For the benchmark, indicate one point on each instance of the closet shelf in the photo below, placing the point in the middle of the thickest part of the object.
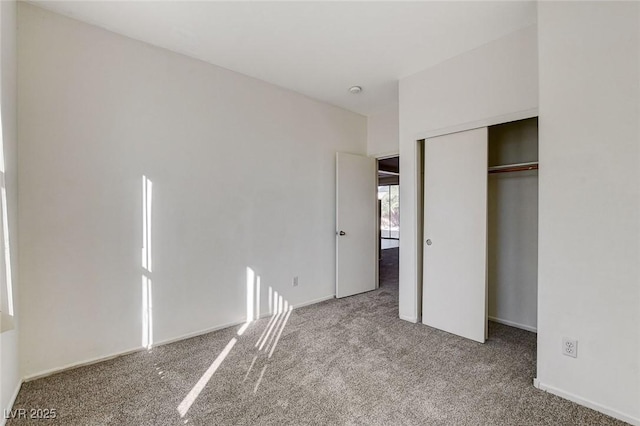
(519, 167)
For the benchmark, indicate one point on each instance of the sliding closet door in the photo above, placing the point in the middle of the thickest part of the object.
(455, 230)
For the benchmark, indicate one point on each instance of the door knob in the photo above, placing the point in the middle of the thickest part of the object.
(429, 242)
(341, 233)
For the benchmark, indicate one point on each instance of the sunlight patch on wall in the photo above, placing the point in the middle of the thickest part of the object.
(253, 293)
(147, 299)
(147, 316)
(258, 297)
(5, 230)
(6, 246)
(250, 297)
(147, 197)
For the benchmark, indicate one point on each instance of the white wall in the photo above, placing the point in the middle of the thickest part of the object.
(382, 133)
(512, 200)
(243, 176)
(494, 83)
(589, 268)
(9, 359)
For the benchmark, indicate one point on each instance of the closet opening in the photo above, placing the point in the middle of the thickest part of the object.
(512, 228)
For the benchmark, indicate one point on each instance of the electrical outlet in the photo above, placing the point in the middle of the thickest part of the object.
(570, 347)
(295, 281)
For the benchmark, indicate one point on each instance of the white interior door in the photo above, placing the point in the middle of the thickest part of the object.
(356, 224)
(455, 231)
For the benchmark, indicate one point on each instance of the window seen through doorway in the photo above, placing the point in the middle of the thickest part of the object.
(389, 195)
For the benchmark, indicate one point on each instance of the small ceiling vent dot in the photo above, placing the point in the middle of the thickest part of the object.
(355, 89)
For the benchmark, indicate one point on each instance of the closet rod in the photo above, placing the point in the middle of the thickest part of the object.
(519, 167)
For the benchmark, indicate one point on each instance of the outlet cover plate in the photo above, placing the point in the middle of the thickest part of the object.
(570, 347)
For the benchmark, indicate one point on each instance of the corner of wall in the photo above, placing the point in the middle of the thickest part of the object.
(9, 346)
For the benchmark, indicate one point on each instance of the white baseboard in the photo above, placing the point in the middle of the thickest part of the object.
(96, 360)
(130, 351)
(313, 302)
(408, 318)
(73, 365)
(12, 401)
(201, 332)
(514, 324)
(587, 403)
(234, 323)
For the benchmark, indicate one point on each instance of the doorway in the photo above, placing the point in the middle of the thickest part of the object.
(389, 221)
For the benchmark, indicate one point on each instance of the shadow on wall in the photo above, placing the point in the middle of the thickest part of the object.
(147, 306)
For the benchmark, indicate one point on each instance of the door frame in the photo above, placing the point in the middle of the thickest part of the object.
(379, 157)
(416, 155)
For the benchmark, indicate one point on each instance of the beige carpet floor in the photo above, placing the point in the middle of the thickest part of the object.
(341, 362)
